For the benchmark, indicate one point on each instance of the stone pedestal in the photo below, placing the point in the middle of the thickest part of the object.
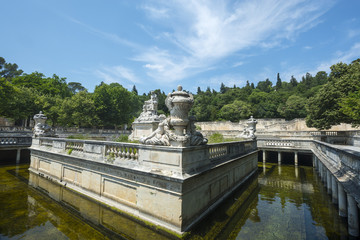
(143, 129)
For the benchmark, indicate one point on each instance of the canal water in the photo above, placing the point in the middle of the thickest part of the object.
(280, 202)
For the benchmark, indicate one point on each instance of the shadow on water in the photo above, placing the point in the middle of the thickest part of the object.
(279, 202)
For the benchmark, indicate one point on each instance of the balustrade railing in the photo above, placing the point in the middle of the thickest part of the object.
(122, 151)
(15, 141)
(231, 149)
(74, 146)
(282, 143)
(46, 142)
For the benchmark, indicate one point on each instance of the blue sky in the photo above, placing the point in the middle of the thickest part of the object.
(162, 44)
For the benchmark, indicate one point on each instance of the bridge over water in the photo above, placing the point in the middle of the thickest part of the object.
(15, 141)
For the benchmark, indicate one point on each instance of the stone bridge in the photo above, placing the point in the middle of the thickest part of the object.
(14, 139)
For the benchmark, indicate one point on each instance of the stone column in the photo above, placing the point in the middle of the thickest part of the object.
(18, 155)
(264, 168)
(328, 181)
(296, 158)
(342, 201)
(279, 158)
(334, 188)
(314, 161)
(324, 174)
(264, 156)
(353, 216)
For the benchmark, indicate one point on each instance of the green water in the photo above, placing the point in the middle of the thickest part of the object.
(281, 202)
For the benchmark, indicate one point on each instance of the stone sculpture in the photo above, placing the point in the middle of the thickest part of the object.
(41, 129)
(148, 120)
(149, 112)
(178, 130)
(249, 131)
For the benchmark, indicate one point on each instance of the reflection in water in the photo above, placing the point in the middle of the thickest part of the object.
(282, 202)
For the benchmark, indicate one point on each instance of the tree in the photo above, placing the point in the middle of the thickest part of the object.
(113, 104)
(264, 86)
(21, 105)
(350, 106)
(293, 108)
(9, 70)
(222, 88)
(134, 90)
(278, 82)
(79, 111)
(293, 81)
(235, 111)
(75, 87)
(332, 104)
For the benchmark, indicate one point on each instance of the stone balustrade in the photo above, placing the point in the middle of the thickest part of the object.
(174, 159)
(275, 144)
(20, 141)
(12, 129)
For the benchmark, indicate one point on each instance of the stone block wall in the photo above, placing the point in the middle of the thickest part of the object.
(170, 187)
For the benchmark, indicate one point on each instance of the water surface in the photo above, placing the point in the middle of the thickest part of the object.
(281, 202)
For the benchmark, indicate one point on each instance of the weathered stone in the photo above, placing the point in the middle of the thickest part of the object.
(184, 133)
(41, 129)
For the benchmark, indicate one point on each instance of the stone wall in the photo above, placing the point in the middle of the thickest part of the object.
(268, 125)
(168, 186)
(6, 122)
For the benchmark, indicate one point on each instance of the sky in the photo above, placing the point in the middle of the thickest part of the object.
(163, 44)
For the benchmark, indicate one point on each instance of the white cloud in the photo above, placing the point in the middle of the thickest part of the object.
(117, 74)
(238, 64)
(353, 33)
(155, 12)
(346, 57)
(105, 35)
(205, 32)
(229, 80)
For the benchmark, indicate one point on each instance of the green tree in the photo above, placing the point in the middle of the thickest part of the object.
(79, 111)
(264, 86)
(235, 111)
(293, 81)
(9, 70)
(330, 106)
(278, 82)
(350, 106)
(75, 87)
(113, 104)
(134, 90)
(222, 88)
(294, 107)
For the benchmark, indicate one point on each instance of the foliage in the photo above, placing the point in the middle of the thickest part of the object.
(219, 138)
(216, 138)
(350, 107)
(293, 107)
(334, 102)
(125, 138)
(324, 99)
(122, 138)
(112, 104)
(235, 111)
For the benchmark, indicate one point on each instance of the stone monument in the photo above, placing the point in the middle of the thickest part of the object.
(41, 129)
(178, 130)
(148, 120)
(249, 131)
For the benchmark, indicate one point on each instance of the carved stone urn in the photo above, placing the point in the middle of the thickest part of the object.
(179, 104)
